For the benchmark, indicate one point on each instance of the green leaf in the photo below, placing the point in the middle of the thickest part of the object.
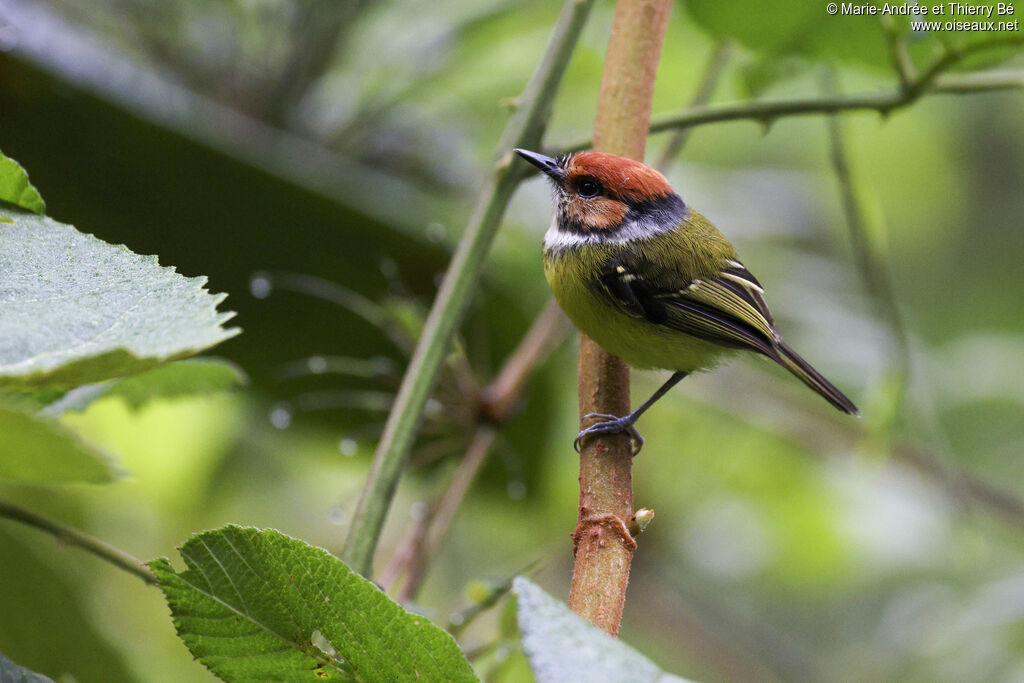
(196, 376)
(34, 449)
(12, 673)
(793, 27)
(757, 77)
(76, 310)
(563, 647)
(15, 187)
(28, 401)
(256, 605)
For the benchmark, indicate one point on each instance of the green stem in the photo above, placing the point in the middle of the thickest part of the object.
(72, 536)
(524, 129)
(767, 112)
(953, 57)
(883, 103)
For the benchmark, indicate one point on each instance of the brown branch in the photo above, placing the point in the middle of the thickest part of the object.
(603, 546)
(405, 554)
(424, 545)
(548, 330)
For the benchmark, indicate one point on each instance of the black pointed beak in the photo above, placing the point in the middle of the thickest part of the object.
(549, 166)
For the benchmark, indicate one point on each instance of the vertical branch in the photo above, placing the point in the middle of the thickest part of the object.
(524, 129)
(603, 545)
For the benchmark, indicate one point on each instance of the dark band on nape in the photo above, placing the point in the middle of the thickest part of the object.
(667, 209)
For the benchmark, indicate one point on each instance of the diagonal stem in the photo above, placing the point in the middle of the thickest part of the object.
(443, 512)
(524, 129)
(66, 534)
(498, 401)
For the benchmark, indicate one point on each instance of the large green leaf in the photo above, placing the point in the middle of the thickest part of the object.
(255, 605)
(563, 647)
(793, 27)
(75, 310)
(35, 449)
(15, 187)
(12, 673)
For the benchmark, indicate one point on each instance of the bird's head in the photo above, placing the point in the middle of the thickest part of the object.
(603, 194)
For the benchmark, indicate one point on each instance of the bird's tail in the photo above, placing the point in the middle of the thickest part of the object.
(791, 360)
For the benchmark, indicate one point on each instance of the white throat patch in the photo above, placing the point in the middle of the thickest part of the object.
(556, 240)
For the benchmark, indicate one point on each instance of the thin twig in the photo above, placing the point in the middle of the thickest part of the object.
(404, 555)
(899, 54)
(709, 81)
(930, 81)
(524, 129)
(952, 57)
(66, 534)
(443, 511)
(883, 103)
(981, 82)
(868, 249)
(460, 620)
(340, 295)
(603, 547)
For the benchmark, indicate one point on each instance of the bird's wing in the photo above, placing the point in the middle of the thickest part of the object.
(727, 309)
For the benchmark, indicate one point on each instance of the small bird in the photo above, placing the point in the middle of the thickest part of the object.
(651, 280)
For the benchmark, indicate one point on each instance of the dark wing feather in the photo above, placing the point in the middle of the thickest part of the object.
(728, 310)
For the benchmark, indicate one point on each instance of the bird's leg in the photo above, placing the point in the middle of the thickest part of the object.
(610, 424)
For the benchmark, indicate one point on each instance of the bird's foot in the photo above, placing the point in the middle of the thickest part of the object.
(611, 424)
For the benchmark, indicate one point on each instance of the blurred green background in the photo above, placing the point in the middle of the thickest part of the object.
(280, 146)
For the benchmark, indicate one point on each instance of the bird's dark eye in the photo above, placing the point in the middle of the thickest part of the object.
(589, 188)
